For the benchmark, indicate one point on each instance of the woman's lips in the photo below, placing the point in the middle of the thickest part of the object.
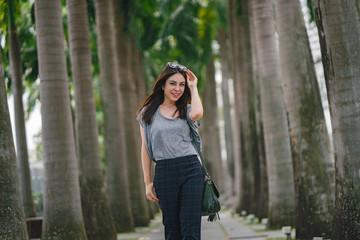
(176, 95)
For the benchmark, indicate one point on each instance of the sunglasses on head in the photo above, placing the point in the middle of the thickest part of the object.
(177, 66)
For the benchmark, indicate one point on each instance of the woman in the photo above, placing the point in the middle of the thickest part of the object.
(165, 119)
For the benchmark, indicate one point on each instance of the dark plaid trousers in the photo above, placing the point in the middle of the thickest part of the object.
(179, 184)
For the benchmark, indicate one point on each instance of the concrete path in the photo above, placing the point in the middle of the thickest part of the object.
(228, 228)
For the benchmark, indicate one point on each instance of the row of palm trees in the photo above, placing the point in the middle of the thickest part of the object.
(279, 103)
(279, 161)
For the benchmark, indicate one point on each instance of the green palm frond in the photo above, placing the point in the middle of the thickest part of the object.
(3, 16)
(220, 7)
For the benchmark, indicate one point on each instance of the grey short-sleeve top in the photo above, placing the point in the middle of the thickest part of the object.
(168, 138)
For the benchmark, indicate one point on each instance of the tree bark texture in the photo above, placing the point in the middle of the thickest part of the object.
(20, 131)
(311, 153)
(261, 177)
(229, 180)
(138, 71)
(115, 157)
(210, 133)
(339, 30)
(242, 76)
(129, 106)
(12, 218)
(235, 169)
(94, 200)
(62, 205)
(277, 144)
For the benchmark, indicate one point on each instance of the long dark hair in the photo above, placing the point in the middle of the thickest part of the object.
(153, 101)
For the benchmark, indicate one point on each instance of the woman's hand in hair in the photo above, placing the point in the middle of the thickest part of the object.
(197, 110)
(191, 79)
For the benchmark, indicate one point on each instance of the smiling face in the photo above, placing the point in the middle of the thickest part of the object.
(174, 87)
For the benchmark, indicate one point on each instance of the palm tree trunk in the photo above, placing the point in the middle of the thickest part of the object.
(312, 160)
(277, 144)
(62, 205)
(115, 158)
(21, 145)
(235, 169)
(222, 38)
(210, 130)
(242, 76)
(12, 220)
(339, 31)
(95, 205)
(138, 70)
(261, 179)
(128, 97)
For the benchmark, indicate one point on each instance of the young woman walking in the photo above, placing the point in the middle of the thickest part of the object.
(166, 120)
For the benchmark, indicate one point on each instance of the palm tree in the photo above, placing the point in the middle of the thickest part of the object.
(12, 221)
(62, 206)
(261, 178)
(242, 77)
(95, 205)
(223, 52)
(128, 96)
(138, 70)
(210, 134)
(115, 158)
(277, 144)
(222, 37)
(235, 169)
(339, 31)
(313, 165)
(21, 145)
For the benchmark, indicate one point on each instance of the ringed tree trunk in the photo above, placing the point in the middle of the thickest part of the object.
(311, 153)
(235, 169)
(128, 101)
(222, 38)
(248, 130)
(115, 158)
(339, 30)
(94, 201)
(261, 178)
(62, 205)
(21, 145)
(12, 218)
(138, 70)
(276, 133)
(210, 131)
(242, 75)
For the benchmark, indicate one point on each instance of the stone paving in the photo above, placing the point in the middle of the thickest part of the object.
(228, 228)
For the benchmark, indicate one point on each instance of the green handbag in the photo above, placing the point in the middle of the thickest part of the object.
(210, 204)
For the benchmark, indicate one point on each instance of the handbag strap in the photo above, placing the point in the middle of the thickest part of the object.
(199, 151)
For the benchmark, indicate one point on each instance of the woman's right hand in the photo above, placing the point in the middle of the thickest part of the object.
(149, 192)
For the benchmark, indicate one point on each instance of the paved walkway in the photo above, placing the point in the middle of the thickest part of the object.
(228, 228)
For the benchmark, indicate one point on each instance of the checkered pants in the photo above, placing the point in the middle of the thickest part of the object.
(179, 184)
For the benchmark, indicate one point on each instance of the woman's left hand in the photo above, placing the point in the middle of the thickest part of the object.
(191, 79)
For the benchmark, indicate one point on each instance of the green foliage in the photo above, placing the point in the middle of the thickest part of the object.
(311, 7)
(38, 198)
(207, 31)
(220, 9)
(22, 18)
(164, 30)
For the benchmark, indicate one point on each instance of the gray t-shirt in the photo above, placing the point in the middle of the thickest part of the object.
(170, 138)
